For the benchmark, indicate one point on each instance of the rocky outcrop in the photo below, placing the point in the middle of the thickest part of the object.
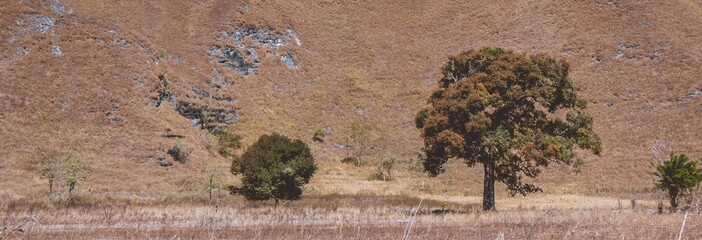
(243, 57)
(232, 59)
(203, 115)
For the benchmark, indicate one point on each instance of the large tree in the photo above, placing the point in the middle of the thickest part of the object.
(512, 113)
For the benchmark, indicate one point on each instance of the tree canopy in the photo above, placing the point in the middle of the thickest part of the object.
(510, 112)
(275, 167)
(677, 176)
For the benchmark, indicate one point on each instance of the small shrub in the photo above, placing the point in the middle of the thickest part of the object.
(61, 170)
(227, 142)
(351, 160)
(275, 167)
(677, 176)
(416, 164)
(385, 169)
(76, 172)
(360, 138)
(319, 135)
(178, 152)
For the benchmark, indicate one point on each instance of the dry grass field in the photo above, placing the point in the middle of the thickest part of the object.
(345, 217)
(82, 77)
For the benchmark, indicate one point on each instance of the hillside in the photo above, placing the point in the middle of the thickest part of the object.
(111, 80)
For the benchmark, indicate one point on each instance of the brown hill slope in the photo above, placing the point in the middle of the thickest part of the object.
(637, 62)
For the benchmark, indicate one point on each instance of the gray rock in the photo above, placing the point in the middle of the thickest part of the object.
(56, 50)
(22, 51)
(630, 46)
(201, 93)
(289, 60)
(225, 99)
(61, 9)
(252, 53)
(293, 35)
(121, 41)
(694, 94)
(232, 59)
(39, 23)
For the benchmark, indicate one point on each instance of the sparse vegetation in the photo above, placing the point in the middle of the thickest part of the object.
(319, 135)
(179, 152)
(351, 160)
(60, 170)
(503, 110)
(360, 140)
(385, 169)
(213, 176)
(227, 142)
(677, 176)
(275, 167)
(189, 68)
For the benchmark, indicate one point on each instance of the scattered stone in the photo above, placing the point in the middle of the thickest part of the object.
(694, 94)
(244, 58)
(56, 50)
(655, 55)
(225, 99)
(597, 58)
(172, 136)
(162, 162)
(121, 41)
(259, 36)
(292, 34)
(629, 46)
(112, 113)
(96, 39)
(231, 58)
(39, 23)
(219, 79)
(111, 31)
(289, 60)
(61, 9)
(252, 53)
(197, 114)
(567, 51)
(164, 94)
(22, 51)
(361, 111)
(618, 55)
(201, 93)
(338, 146)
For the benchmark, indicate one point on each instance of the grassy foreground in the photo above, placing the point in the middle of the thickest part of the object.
(350, 217)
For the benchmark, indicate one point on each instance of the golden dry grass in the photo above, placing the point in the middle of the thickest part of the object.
(337, 217)
(381, 56)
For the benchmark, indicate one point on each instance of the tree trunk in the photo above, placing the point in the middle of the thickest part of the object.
(211, 186)
(51, 188)
(674, 200)
(489, 187)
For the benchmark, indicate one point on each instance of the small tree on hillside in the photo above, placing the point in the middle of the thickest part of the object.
(677, 176)
(62, 170)
(227, 142)
(509, 112)
(275, 167)
(75, 173)
(360, 139)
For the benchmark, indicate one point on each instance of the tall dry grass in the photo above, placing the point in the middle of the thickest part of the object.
(335, 217)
